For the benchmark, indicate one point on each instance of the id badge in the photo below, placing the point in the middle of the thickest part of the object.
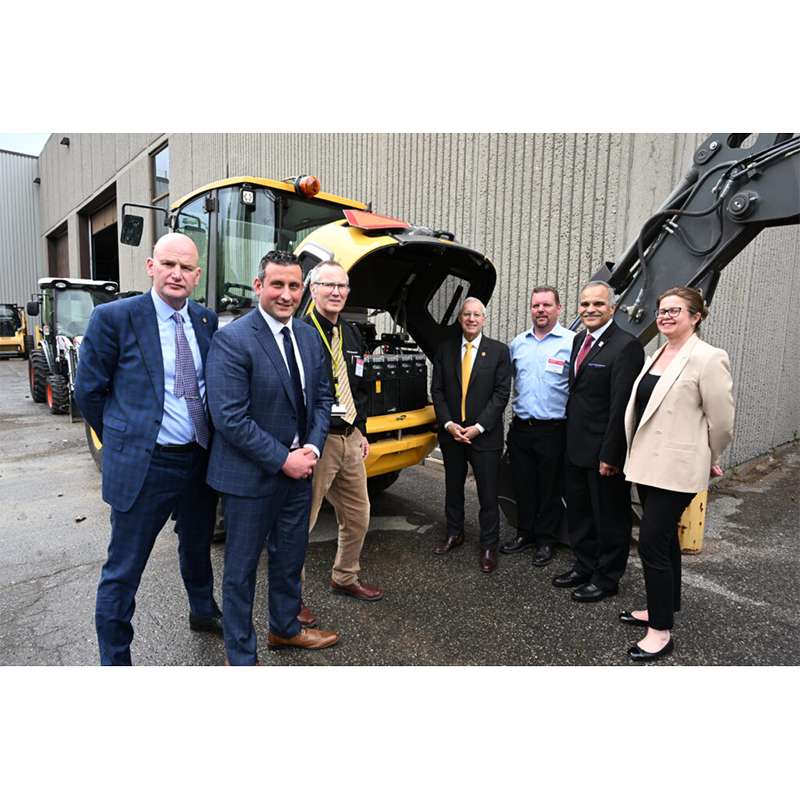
(338, 410)
(553, 365)
(360, 367)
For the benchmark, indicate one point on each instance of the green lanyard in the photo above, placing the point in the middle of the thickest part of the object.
(327, 344)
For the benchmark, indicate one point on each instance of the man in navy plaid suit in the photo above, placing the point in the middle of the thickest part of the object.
(137, 356)
(270, 398)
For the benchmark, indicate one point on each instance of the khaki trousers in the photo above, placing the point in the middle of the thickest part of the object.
(340, 475)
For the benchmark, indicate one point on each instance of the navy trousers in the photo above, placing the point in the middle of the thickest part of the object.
(176, 483)
(281, 521)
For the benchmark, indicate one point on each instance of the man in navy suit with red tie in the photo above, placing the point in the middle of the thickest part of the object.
(606, 361)
(270, 400)
(141, 386)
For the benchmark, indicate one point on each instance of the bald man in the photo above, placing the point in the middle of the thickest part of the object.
(141, 386)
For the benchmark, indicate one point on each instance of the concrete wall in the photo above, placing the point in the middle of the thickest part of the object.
(544, 207)
(21, 264)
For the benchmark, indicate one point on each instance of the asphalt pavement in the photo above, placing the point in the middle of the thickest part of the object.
(740, 595)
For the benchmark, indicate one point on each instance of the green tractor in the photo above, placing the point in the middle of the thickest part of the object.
(66, 305)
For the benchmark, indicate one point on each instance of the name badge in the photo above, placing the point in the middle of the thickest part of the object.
(554, 365)
(360, 367)
(338, 410)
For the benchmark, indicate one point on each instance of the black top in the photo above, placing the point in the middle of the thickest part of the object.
(643, 394)
(352, 349)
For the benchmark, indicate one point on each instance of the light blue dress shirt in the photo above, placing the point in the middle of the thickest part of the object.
(541, 373)
(176, 426)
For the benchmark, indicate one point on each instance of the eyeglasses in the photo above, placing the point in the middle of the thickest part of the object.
(669, 312)
(342, 287)
(475, 314)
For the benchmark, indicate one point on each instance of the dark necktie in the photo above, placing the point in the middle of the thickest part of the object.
(585, 348)
(186, 383)
(297, 384)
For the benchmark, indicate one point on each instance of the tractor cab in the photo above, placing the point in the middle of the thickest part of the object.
(407, 284)
(65, 305)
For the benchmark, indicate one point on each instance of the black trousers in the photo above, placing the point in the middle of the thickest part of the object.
(600, 523)
(537, 450)
(660, 551)
(486, 468)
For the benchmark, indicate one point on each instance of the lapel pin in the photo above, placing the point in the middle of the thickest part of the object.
(204, 319)
(600, 344)
(483, 353)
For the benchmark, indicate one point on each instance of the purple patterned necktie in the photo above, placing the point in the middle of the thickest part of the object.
(186, 383)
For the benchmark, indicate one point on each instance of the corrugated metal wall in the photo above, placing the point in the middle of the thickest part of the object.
(21, 262)
(544, 207)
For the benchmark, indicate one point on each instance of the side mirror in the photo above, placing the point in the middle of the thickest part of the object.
(32, 308)
(132, 229)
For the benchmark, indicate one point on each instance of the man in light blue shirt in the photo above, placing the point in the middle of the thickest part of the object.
(537, 437)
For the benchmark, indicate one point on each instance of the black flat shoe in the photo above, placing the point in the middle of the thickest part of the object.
(628, 618)
(639, 655)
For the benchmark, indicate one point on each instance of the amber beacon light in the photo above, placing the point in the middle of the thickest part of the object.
(307, 185)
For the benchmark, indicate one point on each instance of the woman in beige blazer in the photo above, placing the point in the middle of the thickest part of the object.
(678, 421)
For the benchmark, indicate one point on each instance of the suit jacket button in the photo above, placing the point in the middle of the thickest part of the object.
(147, 451)
(158, 421)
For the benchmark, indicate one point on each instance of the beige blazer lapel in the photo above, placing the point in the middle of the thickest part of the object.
(671, 374)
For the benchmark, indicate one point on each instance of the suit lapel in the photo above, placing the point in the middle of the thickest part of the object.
(145, 327)
(671, 374)
(201, 328)
(597, 346)
(478, 360)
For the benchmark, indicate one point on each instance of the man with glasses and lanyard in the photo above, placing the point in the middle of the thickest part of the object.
(340, 475)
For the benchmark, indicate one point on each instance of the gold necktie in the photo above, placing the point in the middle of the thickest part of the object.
(465, 373)
(344, 396)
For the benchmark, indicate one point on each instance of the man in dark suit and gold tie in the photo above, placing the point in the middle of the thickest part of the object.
(470, 387)
(606, 361)
(141, 386)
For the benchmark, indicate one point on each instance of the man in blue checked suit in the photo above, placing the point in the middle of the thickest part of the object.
(141, 386)
(270, 400)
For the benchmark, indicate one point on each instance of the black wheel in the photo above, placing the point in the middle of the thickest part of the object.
(380, 483)
(29, 345)
(58, 394)
(95, 446)
(37, 376)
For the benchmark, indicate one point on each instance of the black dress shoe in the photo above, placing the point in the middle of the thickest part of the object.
(592, 593)
(543, 555)
(204, 625)
(637, 654)
(570, 579)
(517, 545)
(628, 618)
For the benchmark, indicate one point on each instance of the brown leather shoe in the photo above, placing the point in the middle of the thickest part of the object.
(359, 590)
(305, 617)
(306, 639)
(488, 560)
(450, 543)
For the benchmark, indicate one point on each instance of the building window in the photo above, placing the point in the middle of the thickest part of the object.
(160, 162)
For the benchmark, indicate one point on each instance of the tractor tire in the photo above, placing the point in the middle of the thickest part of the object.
(38, 373)
(58, 394)
(95, 446)
(380, 483)
(29, 344)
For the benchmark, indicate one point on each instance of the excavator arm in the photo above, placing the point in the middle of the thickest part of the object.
(727, 197)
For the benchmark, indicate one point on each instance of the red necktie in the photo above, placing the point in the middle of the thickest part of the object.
(585, 348)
